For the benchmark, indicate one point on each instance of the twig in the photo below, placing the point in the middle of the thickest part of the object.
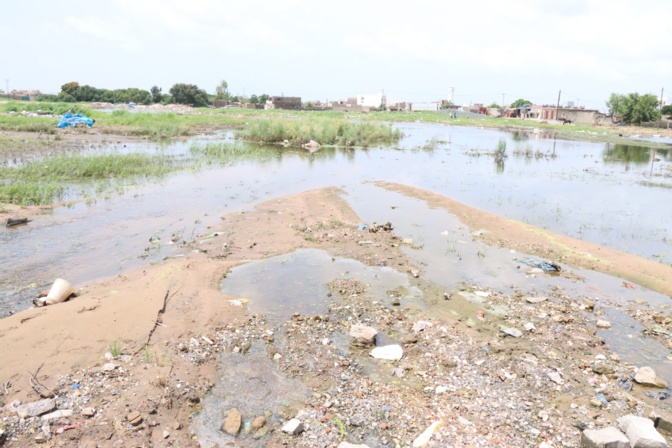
(157, 322)
(34, 382)
(6, 386)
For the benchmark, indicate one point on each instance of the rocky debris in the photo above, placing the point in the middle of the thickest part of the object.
(293, 427)
(602, 324)
(511, 332)
(610, 437)
(61, 413)
(647, 376)
(530, 299)
(423, 439)
(641, 432)
(392, 352)
(36, 408)
(88, 412)
(134, 418)
(351, 445)
(232, 423)
(362, 335)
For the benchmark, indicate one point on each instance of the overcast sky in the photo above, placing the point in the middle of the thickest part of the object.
(414, 50)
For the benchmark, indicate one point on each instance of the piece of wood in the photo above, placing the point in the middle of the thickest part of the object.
(11, 222)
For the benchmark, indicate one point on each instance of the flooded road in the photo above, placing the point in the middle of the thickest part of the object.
(613, 195)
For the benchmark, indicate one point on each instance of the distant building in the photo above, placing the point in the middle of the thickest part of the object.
(26, 95)
(375, 101)
(284, 102)
(573, 114)
(415, 107)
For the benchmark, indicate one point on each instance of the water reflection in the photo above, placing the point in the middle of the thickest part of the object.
(619, 153)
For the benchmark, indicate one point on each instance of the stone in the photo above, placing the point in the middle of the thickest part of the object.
(36, 408)
(363, 335)
(529, 327)
(535, 299)
(556, 378)
(232, 423)
(603, 369)
(511, 331)
(351, 445)
(110, 366)
(421, 325)
(134, 418)
(40, 438)
(603, 324)
(423, 439)
(662, 420)
(647, 376)
(414, 272)
(641, 432)
(389, 352)
(293, 427)
(609, 437)
(62, 413)
(88, 412)
(258, 422)
(166, 434)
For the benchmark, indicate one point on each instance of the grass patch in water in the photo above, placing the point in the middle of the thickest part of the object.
(230, 152)
(324, 130)
(45, 181)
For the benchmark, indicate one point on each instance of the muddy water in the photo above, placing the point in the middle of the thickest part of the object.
(609, 194)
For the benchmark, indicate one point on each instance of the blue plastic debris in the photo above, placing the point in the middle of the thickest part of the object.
(601, 398)
(74, 119)
(75, 386)
(546, 266)
(363, 227)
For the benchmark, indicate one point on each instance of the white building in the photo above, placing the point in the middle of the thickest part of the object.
(373, 101)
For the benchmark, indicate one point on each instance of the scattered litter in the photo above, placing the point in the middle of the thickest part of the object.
(544, 265)
(60, 291)
(239, 302)
(658, 395)
(625, 384)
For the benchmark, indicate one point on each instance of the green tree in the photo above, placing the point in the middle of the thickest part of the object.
(254, 99)
(189, 94)
(263, 98)
(617, 104)
(494, 106)
(70, 88)
(222, 90)
(667, 110)
(85, 93)
(520, 102)
(155, 91)
(641, 108)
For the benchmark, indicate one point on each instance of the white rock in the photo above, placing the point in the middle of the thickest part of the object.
(648, 377)
(535, 299)
(556, 378)
(421, 325)
(62, 413)
(390, 352)
(363, 333)
(482, 293)
(277, 357)
(640, 432)
(441, 389)
(606, 437)
(511, 331)
(351, 445)
(294, 427)
(529, 327)
(426, 435)
(110, 366)
(603, 324)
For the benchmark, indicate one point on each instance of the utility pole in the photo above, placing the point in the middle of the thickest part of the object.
(503, 103)
(660, 112)
(557, 105)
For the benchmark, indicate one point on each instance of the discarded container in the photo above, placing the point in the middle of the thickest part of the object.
(59, 292)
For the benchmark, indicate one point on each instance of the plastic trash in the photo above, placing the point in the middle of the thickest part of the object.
(60, 291)
(545, 265)
(69, 120)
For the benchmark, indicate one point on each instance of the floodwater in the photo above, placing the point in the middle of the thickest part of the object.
(609, 194)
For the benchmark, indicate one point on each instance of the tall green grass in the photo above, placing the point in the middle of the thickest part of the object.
(230, 152)
(324, 130)
(44, 181)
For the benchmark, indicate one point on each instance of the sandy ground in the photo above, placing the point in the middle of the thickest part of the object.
(144, 314)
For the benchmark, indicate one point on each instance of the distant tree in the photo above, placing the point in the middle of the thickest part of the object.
(520, 102)
(222, 91)
(155, 91)
(617, 104)
(641, 108)
(254, 99)
(494, 106)
(667, 110)
(189, 94)
(85, 93)
(263, 98)
(70, 87)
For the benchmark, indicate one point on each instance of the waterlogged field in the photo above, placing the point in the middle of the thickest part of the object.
(119, 196)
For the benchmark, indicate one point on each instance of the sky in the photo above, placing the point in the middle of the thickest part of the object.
(486, 51)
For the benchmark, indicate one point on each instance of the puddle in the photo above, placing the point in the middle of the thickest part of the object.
(280, 286)
(255, 388)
